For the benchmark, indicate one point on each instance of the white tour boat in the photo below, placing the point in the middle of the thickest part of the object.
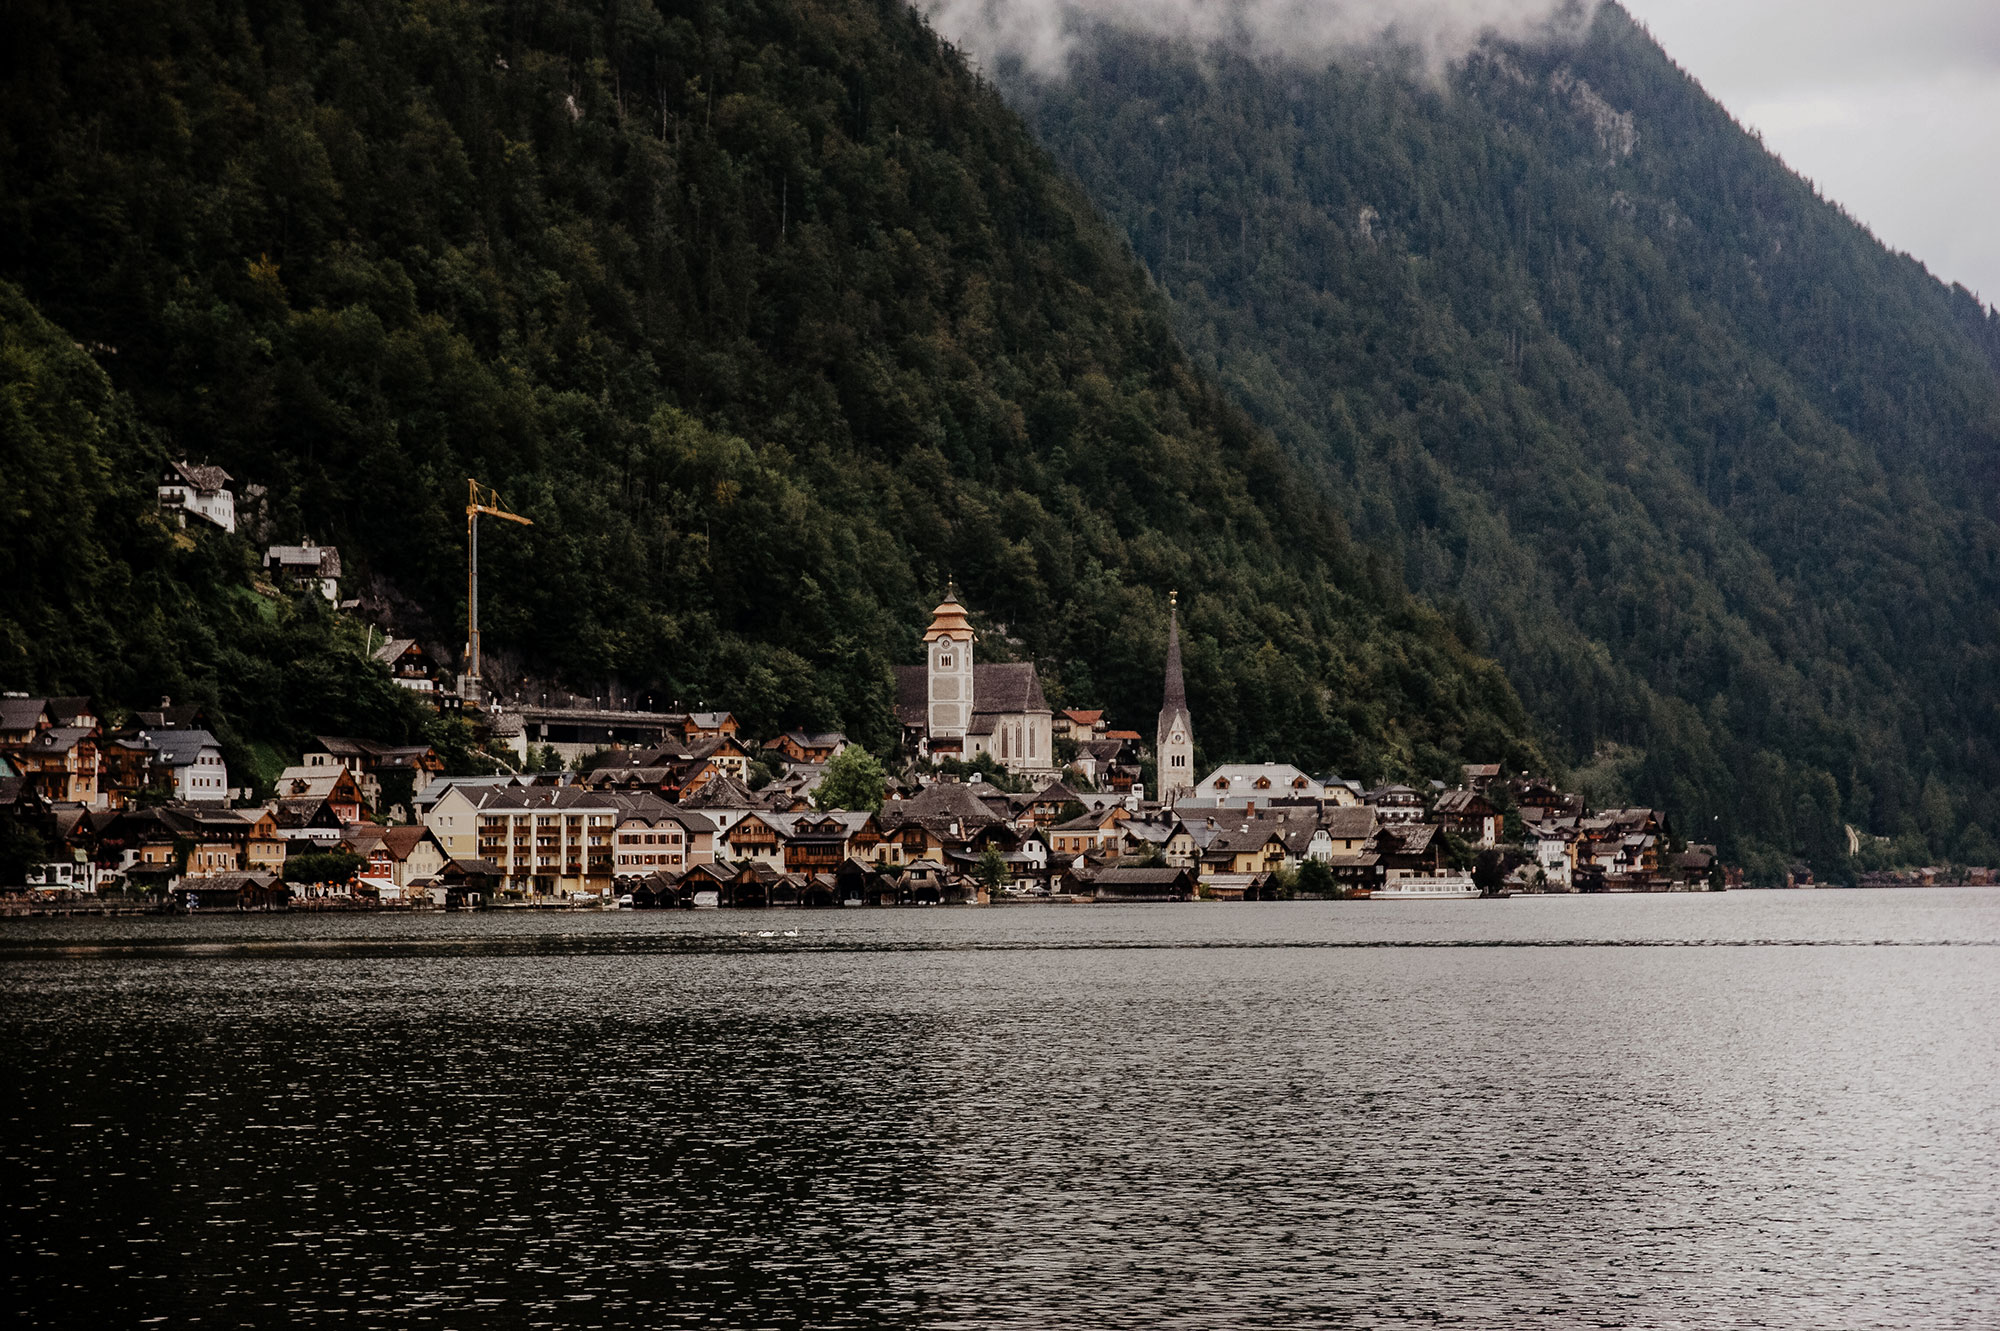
(1427, 889)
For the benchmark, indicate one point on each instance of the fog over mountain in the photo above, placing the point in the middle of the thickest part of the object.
(1043, 34)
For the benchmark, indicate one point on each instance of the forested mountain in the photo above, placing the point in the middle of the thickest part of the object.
(1713, 471)
(770, 314)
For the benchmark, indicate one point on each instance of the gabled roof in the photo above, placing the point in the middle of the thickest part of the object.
(1348, 822)
(999, 688)
(392, 651)
(1006, 687)
(65, 711)
(322, 560)
(807, 739)
(1245, 776)
(402, 840)
(202, 477)
(180, 748)
(60, 739)
(169, 717)
(724, 792)
(1057, 793)
(1239, 837)
(937, 806)
(1407, 838)
(23, 713)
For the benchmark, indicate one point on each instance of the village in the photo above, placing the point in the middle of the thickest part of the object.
(991, 796)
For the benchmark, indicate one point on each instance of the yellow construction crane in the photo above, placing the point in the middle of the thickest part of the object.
(479, 499)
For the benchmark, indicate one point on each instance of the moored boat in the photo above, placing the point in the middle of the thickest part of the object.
(1452, 888)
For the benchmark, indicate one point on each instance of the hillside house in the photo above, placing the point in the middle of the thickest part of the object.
(807, 747)
(191, 489)
(1469, 815)
(415, 669)
(305, 568)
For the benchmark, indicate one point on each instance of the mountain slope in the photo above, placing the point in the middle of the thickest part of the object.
(1714, 472)
(772, 316)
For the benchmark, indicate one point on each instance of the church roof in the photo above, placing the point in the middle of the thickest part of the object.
(1008, 686)
(1004, 687)
(913, 695)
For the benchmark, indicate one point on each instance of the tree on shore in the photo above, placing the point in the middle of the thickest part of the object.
(853, 780)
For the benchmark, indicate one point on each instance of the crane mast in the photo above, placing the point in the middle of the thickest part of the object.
(479, 499)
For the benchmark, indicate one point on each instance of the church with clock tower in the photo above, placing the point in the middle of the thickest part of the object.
(1173, 742)
(950, 706)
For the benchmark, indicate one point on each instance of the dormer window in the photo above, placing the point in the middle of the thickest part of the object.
(1263, 783)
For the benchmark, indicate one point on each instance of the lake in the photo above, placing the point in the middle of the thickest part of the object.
(1757, 1109)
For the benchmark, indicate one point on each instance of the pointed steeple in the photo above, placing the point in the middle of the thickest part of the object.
(1176, 693)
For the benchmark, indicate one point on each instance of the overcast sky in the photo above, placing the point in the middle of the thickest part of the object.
(1892, 107)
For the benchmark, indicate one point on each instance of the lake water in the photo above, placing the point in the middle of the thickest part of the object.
(1749, 1110)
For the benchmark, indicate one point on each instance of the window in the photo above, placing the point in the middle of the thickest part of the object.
(944, 660)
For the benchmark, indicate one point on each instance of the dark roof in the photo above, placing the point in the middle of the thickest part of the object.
(1248, 836)
(22, 713)
(913, 691)
(1408, 838)
(202, 477)
(1348, 822)
(173, 718)
(806, 739)
(999, 688)
(724, 792)
(937, 806)
(1462, 802)
(65, 711)
(402, 840)
(60, 739)
(1119, 876)
(179, 748)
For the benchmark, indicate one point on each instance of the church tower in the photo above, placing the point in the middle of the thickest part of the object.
(1173, 746)
(949, 663)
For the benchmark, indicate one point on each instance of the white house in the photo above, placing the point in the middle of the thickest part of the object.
(1555, 849)
(1238, 785)
(306, 567)
(203, 491)
(193, 760)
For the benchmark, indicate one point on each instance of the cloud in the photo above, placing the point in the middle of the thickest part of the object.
(1042, 34)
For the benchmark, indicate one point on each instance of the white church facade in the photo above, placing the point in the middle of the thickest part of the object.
(952, 706)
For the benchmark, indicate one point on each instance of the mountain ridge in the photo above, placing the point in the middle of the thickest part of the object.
(771, 317)
(1594, 366)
